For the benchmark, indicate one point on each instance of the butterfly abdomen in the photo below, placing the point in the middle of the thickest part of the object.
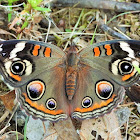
(71, 77)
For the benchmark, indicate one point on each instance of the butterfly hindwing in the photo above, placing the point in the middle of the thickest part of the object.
(96, 94)
(44, 96)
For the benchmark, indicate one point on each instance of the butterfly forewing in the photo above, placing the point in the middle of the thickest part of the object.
(117, 59)
(21, 60)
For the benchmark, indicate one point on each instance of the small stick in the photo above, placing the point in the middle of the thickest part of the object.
(98, 4)
(6, 113)
(111, 32)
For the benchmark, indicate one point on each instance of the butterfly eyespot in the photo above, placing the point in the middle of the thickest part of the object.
(104, 89)
(35, 90)
(18, 67)
(138, 54)
(51, 104)
(87, 102)
(125, 67)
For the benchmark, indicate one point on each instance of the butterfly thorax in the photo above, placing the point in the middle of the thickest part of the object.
(71, 72)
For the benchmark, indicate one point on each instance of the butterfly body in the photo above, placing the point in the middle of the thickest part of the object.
(72, 60)
(52, 84)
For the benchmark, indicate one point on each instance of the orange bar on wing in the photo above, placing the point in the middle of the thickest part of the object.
(96, 51)
(108, 49)
(41, 107)
(16, 77)
(127, 76)
(36, 50)
(96, 105)
(47, 52)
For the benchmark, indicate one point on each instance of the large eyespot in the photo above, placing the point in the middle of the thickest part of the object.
(51, 104)
(18, 67)
(35, 90)
(87, 102)
(125, 67)
(104, 89)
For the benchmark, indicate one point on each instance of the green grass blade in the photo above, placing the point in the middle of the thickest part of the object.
(118, 16)
(77, 23)
(91, 42)
(137, 68)
(42, 9)
(10, 14)
(25, 127)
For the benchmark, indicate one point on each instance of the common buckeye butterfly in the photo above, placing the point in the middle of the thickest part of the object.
(52, 84)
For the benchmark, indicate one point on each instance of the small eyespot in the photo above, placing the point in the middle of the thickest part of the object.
(51, 104)
(125, 67)
(87, 102)
(138, 54)
(104, 89)
(18, 67)
(35, 90)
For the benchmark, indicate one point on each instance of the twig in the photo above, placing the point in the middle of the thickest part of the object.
(98, 4)
(12, 5)
(113, 33)
(3, 129)
(121, 33)
(15, 108)
(6, 113)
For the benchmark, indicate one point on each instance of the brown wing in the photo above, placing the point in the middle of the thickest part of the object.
(20, 60)
(96, 94)
(44, 95)
(116, 58)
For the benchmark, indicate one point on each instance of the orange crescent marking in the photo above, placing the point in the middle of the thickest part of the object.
(96, 51)
(36, 50)
(127, 76)
(108, 49)
(16, 77)
(41, 107)
(47, 52)
(96, 105)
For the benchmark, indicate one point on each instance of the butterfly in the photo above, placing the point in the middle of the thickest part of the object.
(52, 84)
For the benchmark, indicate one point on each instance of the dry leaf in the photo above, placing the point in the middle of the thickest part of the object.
(62, 130)
(106, 128)
(65, 129)
(8, 100)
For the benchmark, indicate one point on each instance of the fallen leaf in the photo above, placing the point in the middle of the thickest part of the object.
(8, 100)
